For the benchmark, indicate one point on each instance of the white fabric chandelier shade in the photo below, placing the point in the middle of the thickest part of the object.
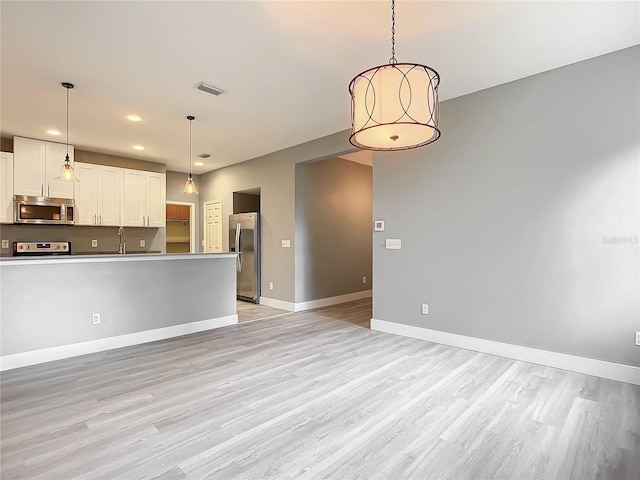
(394, 107)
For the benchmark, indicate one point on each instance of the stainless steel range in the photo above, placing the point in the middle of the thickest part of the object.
(41, 248)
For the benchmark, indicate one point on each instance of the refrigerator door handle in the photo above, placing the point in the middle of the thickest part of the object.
(239, 257)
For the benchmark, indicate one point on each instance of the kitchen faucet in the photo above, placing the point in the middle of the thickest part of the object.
(121, 248)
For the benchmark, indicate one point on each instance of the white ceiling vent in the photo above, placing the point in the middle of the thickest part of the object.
(205, 87)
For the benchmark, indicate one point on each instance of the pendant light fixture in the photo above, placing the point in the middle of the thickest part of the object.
(190, 186)
(66, 171)
(394, 106)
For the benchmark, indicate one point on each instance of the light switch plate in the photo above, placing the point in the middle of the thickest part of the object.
(393, 244)
(143, 243)
(5, 243)
(94, 243)
(286, 243)
(378, 225)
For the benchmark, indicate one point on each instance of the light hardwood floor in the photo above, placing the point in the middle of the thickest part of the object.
(249, 312)
(313, 395)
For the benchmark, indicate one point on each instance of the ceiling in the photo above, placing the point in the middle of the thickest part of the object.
(284, 66)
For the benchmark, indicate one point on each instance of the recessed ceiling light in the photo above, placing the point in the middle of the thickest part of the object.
(204, 155)
(53, 132)
(198, 163)
(138, 147)
(134, 118)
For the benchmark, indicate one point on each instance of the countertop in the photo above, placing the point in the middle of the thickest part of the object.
(130, 257)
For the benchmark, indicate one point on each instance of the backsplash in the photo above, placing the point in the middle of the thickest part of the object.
(81, 237)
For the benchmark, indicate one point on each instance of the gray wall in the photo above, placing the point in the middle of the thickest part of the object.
(175, 185)
(117, 161)
(131, 296)
(6, 145)
(245, 203)
(509, 223)
(81, 236)
(333, 228)
(274, 174)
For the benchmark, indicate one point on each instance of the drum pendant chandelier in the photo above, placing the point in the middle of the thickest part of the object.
(394, 106)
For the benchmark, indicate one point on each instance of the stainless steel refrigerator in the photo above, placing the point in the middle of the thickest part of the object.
(244, 238)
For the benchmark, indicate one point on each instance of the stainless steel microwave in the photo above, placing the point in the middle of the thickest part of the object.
(42, 210)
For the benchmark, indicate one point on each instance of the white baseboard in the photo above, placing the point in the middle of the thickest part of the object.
(321, 302)
(588, 366)
(325, 302)
(24, 359)
(281, 304)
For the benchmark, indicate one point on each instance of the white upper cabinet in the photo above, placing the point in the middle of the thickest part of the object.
(110, 186)
(85, 195)
(135, 195)
(144, 199)
(6, 187)
(156, 193)
(29, 166)
(98, 195)
(36, 165)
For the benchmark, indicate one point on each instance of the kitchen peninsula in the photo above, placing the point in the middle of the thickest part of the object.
(60, 307)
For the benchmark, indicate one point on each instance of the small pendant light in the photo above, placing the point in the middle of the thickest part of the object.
(190, 186)
(394, 106)
(66, 171)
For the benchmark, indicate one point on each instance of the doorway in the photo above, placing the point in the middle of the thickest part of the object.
(180, 227)
(213, 226)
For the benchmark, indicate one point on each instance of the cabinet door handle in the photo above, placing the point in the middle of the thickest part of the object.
(100, 219)
(94, 218)
(42, 189)
(48, 192)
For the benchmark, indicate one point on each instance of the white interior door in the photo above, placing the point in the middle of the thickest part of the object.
(213, 227)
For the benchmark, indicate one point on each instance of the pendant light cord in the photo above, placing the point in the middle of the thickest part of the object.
(393, 60)
(67, 158)
(190, 155)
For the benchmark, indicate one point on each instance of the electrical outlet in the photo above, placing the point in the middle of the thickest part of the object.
(425, 309)
(96, 318)
(286, 243)
(142, 243)
(94, 243)
(5, 243)
(364, 279)
(270, 285)
(638, 339)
